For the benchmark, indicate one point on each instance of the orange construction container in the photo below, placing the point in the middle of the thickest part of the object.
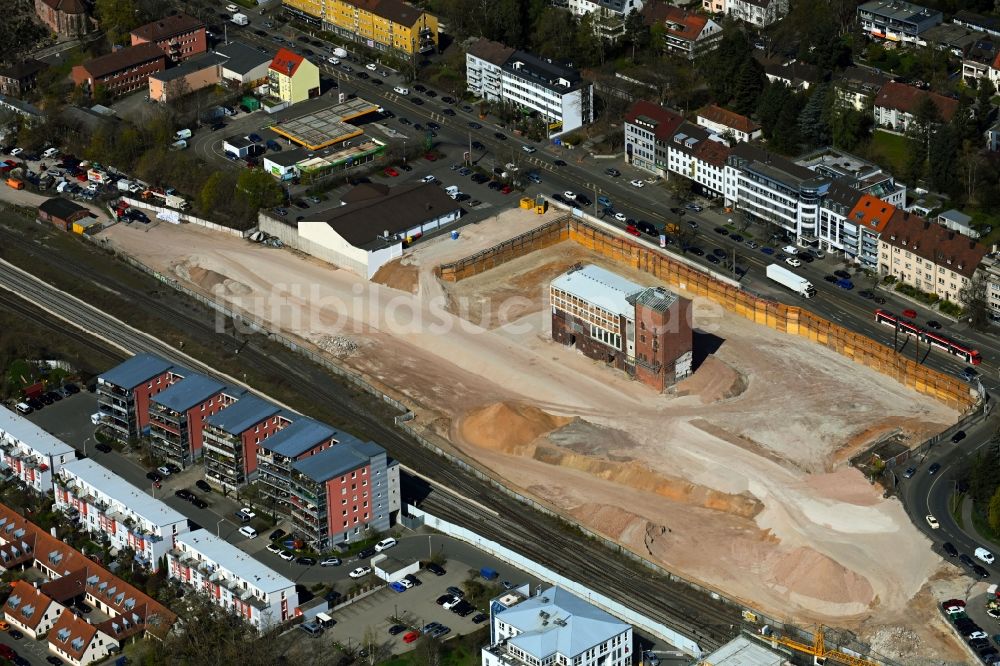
(15, 183)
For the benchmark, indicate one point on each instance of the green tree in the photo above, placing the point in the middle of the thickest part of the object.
(942, 167)
(769, 105)
(994, 512)
(749, 85)
(259, 189)
(213, 193)
(554, 34)
(984, 104)
(850, 128)
(814, 120)
(117, 18)
(974, 298)
(637, 33)
(723, 66)
(588, 45)
(984, 477)
(786, 137)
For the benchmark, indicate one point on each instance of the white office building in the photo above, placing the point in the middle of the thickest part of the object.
(233, 579)
(554, 627)
(127, 517)
(30, 453)
(557, 93)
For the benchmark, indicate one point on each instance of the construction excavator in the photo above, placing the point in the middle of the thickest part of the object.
(820, 654)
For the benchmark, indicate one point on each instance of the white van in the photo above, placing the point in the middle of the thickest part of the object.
(95, 418)
(51, 152)
(984, 555)
(248, 532)
(401, 90)
(24, 408)
(790, 249)
(232, 9)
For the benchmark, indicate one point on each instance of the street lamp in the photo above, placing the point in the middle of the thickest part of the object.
(85, 446)
(218, 527)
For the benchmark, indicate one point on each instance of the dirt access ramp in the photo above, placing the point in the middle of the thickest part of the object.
(717, 483)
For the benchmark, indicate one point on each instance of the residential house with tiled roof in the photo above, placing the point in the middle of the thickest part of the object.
(928, 256)
(758, 13)
(179, 36)
(121, 72)
(863, 227)
(648, 130)
(77, 641)
(700, 156)
(30, 610)
(292, 78)
(729, 123)
(685, 33)
(896, 105)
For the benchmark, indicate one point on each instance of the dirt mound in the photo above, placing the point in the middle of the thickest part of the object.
(713, 381)
(808, 573)
(508, 426)
(397, 275)
(209, 280)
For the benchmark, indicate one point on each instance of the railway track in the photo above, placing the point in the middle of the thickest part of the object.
(514, 525)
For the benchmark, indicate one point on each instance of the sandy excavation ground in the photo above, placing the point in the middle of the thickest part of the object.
(735, 479)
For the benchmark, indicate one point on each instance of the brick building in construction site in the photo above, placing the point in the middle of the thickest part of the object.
(645, 331)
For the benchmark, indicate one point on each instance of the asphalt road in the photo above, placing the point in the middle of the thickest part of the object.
(928, 494)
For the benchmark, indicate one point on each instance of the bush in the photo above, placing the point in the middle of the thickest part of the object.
(950, 309)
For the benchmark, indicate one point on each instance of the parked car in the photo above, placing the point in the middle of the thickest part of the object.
(103, 448)
(910, 471)
(200, 503)
(203, 486)
(184, 494)
(330, 562)
(360, 572)
(949, 549)
(934, 469)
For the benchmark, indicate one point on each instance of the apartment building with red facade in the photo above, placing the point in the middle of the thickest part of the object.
(233, 436)
(177, 416)
(124, 393)
(276, 454)
(121, 72)
(179, 36)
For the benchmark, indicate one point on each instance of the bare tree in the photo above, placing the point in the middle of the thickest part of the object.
(974, 297)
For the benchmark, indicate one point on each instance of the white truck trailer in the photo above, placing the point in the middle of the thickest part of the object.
(786, 278)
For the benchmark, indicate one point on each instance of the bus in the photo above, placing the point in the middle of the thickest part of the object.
(960, 350)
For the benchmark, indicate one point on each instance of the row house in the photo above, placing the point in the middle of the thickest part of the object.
(276, 455)
(233, 436)
(928, 256)
(233, 579)
(124, 393)
(728, 123)
(341, 493)
(31, 610)
(956, 40)
(179, 36)
(685, 33)
(119, 513)
(74, 578)
(122, 72)
(649, 129)
(557, 93)
(988, 24)
(896, 20)
(700, 156)
(896, 105)
(29, 453)
(177, 415)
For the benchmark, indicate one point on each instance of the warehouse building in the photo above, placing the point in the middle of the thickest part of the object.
(645, 331)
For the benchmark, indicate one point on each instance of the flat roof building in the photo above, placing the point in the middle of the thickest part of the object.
(645, 331)
(107, 505)
(233, 436)
(233, 579)
(124, 392)
(177, 415)
(30, 453)
(896, 20)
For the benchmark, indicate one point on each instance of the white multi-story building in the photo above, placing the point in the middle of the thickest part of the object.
(723, 121)
(609, 15)
(700, 156)
(896, 20)
(758, 13)
(554, 627)
(233, 579)
(557, 93)
(648, 130)
(990, 269)
(108, 505)
(30, 453)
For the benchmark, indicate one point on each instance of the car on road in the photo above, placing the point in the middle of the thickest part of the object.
(306, 561)
(911, 314)
(958, 437)
(440, 631)
(155, 477)
(203, 486)
(631, 229)
(696, 251)
(184, 494)
(966, 560)
(647, 228)
(621, 217)
(793, 262)
(528, 149)
(500, 136)
(433, 125)
(934, 469)
(693, 207)
(736, 238)
(54, 660)
(16, 634)
(406, 583)
(932, 521)
(164, 470)
(722, 231)
(844, 275)
(973, 635)
(411, 636)
(712, 259)
(330, 562)
(360, 572)
(389, 171)
(613, 172)
(866, 294)
(199, 502)
(478, 145)
(479, 618)
(933, 324)
(949, 550)
(833, 279)
(984, 555)
(910, 471)
(426, 179)
(559, 163)
(397, 586)
(451, 603)
(635, 182)
(103, 448)
(474, 125)
(286, 555)
(767, 250)
(277, 534)
(281, 211)
(845, 284)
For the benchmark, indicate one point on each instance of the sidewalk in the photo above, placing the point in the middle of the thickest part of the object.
(968, 525)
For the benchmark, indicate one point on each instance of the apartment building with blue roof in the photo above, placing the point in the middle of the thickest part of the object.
(177, 416)
(233, 436)
(124, 391)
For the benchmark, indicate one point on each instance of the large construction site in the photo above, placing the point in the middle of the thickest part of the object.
(735, 478)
